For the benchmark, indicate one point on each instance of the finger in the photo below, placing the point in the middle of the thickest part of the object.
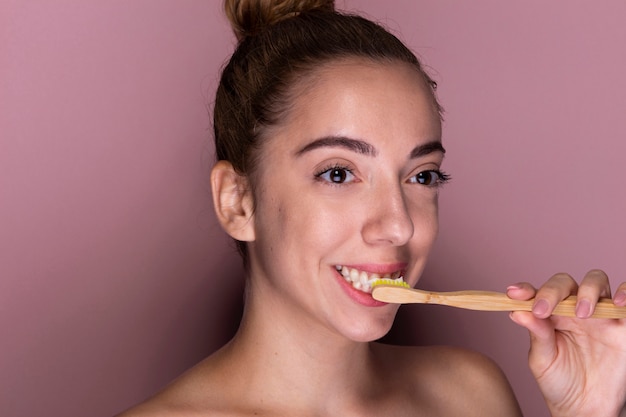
(620, 295)
(557, 288)
(522, 291)
(593, 286)
(543, 347)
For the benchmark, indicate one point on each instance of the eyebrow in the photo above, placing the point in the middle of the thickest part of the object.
(427, 148)
(355, 145)
(364, 148)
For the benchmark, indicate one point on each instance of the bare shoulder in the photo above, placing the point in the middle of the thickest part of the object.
(455, 381)
(147, 409)
(162, 404)
(194, 393)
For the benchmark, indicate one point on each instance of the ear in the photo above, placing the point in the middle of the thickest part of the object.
(233, 202)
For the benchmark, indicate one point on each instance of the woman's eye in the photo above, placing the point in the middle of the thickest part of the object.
(430, 178)
(336, 175)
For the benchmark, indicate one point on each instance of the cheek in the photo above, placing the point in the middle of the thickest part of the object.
(303, 220)
(279, 218)
(425, 216)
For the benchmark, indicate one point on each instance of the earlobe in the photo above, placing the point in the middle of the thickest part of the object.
(232, 199)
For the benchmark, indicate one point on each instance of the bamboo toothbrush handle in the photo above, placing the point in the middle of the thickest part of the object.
(488, 301)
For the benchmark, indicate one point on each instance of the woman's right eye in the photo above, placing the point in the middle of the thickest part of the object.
(336, 175)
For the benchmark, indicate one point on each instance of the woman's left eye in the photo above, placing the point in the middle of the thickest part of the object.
(430, 178)
(336, 175)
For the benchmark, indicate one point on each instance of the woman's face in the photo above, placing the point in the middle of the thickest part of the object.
(347, 184)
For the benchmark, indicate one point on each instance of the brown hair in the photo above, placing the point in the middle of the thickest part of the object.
(280, 43)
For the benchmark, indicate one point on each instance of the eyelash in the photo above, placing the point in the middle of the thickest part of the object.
(441, 177)
(328, 169)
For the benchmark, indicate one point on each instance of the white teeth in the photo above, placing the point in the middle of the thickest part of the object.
(354, 275)
(361, 280)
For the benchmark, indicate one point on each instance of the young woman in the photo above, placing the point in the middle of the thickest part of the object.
(328, 136)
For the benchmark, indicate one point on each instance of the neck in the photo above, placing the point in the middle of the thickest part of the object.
(279, 351)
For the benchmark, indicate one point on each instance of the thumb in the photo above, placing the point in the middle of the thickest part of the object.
(543, 349)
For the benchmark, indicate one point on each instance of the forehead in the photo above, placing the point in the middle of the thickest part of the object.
(358, 96)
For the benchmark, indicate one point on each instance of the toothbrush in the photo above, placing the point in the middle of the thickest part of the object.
(400, 292)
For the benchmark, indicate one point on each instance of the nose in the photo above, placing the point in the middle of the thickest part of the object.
(388, 221)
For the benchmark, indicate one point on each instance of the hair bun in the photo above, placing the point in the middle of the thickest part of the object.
(249, 17)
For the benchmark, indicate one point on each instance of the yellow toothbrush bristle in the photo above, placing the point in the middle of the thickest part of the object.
(387, 281)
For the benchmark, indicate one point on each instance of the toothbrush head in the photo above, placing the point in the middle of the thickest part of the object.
(387, 281)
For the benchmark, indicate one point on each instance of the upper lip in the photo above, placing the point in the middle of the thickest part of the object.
(378, 268)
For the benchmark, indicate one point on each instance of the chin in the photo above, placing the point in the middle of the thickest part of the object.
(369, 332)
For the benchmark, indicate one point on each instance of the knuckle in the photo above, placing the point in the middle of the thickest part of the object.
(596, 275)
(594, 284)
(558, 286)
(549, 292)
(563, 277)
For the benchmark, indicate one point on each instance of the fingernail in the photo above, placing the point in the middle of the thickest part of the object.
(583, 309)
(541, 308)
(514, 287)
(620, 297)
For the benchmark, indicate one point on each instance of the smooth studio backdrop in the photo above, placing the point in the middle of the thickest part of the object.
(115, 277)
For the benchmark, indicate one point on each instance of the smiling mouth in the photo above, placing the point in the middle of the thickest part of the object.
(362, 280)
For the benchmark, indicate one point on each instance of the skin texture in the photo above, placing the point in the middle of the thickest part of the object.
(337, 184)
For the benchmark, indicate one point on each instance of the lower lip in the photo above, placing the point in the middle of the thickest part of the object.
(360, 297)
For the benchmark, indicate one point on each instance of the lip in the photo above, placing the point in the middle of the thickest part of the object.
(380, 269)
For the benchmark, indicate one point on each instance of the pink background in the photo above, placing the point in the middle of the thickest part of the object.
(114, 275)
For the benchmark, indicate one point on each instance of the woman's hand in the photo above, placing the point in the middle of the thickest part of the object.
(579, 363)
